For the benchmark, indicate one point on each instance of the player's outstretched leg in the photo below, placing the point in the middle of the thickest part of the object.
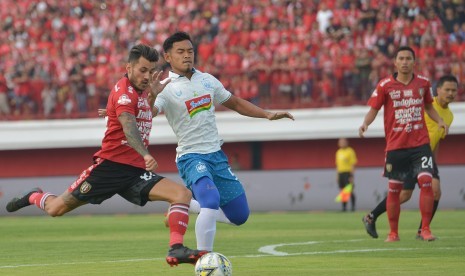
(179, 254)
(20, 202)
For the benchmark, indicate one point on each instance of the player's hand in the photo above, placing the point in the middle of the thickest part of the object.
(361, 130)
(102, 112)
(443, 125)
(155, 85)
(278, 115)
(150, 163)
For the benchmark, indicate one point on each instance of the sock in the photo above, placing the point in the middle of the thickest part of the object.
(205, 229)
(220, 217)
(426, 199)
(393, 205)
(178, 219)
(379, 210)
(435, 207)
(38, 199)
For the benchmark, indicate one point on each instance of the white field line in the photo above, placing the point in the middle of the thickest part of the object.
(269, 251)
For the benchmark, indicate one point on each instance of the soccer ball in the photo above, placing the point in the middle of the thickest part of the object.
(213, 264)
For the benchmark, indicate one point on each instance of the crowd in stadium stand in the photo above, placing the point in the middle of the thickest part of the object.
(59, 59)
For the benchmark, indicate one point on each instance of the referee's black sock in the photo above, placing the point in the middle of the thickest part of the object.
(380, 209)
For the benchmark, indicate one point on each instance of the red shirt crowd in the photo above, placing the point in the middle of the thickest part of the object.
(59, 59)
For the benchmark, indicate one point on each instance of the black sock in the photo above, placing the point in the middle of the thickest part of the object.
(380, 209)
(435, 207)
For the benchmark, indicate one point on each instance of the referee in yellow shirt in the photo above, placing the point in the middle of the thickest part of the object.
(447, 88)
(346, 159)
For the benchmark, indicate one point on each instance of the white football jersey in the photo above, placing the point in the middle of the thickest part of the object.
(189, 107)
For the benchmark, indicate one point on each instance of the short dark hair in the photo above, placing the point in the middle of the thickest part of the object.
(176, 37)
(142, 50)
(405, 48)
(445, 78)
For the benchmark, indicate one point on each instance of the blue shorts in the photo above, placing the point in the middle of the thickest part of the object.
(193, 166)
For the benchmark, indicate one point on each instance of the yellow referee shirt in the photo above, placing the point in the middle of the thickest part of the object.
(436, 133)
(345, 159)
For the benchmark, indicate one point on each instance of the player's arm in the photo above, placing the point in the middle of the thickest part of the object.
(128, 122)
(369, 118)
(433, 114)
(247, 108)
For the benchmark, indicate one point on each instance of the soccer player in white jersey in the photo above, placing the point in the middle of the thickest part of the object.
(188, 103)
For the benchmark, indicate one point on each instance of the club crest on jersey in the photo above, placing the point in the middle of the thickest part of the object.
(198, 104)
(201, 167)
(421, 91)
(207, 84)
(124, 99)
(85, 187)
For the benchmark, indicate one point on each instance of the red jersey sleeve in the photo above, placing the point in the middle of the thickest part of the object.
(377, 98)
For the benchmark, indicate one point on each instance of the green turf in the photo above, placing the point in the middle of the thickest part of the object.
(311, 243)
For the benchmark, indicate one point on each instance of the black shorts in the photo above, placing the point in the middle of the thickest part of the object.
(410, 184)
(105, 178)
(343, 179)
(404, 164)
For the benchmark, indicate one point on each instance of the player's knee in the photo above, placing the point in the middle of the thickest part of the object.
(239, 218)
(183, 195)
(425, 180)
(55, 211)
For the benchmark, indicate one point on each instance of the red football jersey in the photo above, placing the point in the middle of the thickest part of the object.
(124, 98)
(404, 122)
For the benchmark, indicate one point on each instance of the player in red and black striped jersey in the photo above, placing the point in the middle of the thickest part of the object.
(123, 165)
(405, 97)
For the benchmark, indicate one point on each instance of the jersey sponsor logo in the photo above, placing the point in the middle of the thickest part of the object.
(395, 94)
(407, 102)
(144, 114)
(418, 126)
(85, 187)
(124, 99)
(178, 93)
(198, 104)
(201, 167)
(408, 93)
(117, 88)
(130, 89)
(407, 115)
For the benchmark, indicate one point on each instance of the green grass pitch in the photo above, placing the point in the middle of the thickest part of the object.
(292, 243)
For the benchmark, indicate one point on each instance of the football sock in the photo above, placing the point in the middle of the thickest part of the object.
(426, 199)
(393, 205)
(435, 207)
(38, 199)
(205, 229)
(379, 209)
(178, 219)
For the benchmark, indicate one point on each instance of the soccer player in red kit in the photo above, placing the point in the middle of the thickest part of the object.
(123, 165)
(405, 97)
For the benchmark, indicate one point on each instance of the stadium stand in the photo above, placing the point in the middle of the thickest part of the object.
(58, 59)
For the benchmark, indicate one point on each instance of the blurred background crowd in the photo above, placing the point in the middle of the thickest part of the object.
(60, 59)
